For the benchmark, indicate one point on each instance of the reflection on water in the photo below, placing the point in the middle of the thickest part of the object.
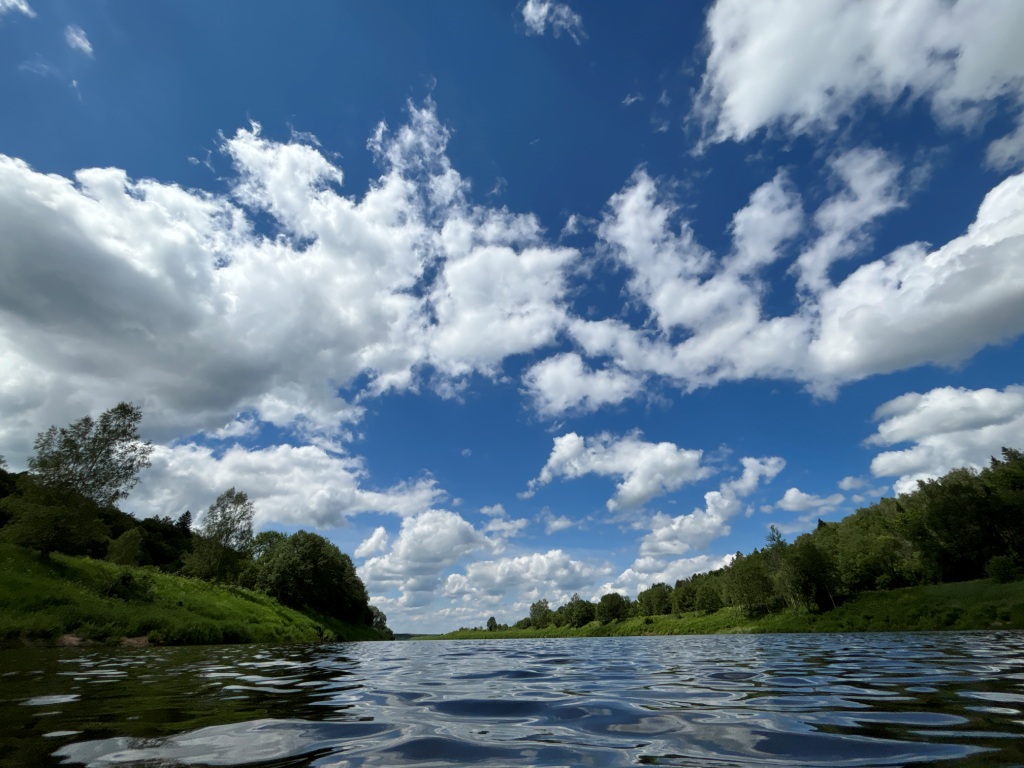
(853, 700)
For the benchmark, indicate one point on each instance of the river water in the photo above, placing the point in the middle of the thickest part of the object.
(737, 700)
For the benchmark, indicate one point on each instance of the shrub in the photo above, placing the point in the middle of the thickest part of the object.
(1001, 569)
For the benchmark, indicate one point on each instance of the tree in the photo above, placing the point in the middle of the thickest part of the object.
(184, 523)
(655, 601)
(101, 459)
(52, 519)
(225, 538)
(540, 614)
(492, 624)
(612, 607)
(127, 549)
(380, 623)
(306, 571)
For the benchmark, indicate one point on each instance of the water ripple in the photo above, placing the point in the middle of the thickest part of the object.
(811, 700)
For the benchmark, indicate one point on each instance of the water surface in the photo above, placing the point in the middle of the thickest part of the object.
(765, 700)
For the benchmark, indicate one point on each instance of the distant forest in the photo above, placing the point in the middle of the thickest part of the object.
(965, 525)
(67, 502)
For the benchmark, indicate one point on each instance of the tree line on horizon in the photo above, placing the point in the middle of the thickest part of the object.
(964, 525)
(67, 503)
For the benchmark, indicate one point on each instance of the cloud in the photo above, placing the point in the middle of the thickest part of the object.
(117, 288)
(552, 575)
(795, 500)
(707, 322)
(647, 469)
(289, 485)
(553, 524)
(21, 6)
(427, 544)
(851, 483)
(76, 39)
(541, 15)
(652, 570)
(564, 383)
(948, 428)
(685, 533)
(375, 542)
(780, 64)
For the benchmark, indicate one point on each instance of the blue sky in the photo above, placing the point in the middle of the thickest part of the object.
(512, 301)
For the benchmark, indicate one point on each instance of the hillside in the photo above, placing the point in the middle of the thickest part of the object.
(43, 599)
(972, 605)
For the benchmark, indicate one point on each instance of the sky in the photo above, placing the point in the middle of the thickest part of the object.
(516, 300)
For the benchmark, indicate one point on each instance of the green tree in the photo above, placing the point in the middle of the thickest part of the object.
(306, 571)
(540, 614)
(127, 549)
(380, 623)
(101, 459)
(612, 607)
(53, 519)
(492, 624)
(225, 538)
(656, 601)
(708, 598)
(579, 612)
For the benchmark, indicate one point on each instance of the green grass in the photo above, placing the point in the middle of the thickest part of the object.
(964, 606)
(42, 599)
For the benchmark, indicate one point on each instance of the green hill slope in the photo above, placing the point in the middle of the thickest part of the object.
(44, 599)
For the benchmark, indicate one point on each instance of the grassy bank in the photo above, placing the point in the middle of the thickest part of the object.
(967, 605)
(42, 600)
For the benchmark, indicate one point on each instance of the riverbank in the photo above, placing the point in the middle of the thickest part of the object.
(969, 605)
(68, 600)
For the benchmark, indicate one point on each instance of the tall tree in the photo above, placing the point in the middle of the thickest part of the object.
(101, 459)
(225, 538)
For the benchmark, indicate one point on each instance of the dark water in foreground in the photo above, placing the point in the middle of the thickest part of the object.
(846, 700)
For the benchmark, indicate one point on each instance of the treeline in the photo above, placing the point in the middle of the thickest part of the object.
(965, 525)
(67, 502)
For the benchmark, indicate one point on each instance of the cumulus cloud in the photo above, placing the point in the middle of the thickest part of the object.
(565, 383)
(427, 544)
(290, 485)
(541, 15)
(123, 289)
(552, 575)
(784, 64)
(647, 469)
(795, 500)
(374, 543)
(694, 531)
(646, 571)
(947, 427)
(77, 40)
(21, 6)
(707, 322)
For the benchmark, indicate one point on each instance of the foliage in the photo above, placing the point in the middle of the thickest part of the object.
(100, 459)
(222, 548)
(492, 624)
(42, 599)
(306, 571)
(540, 614)
(612, 607)
(53, 519)
(126, 549)
(655, 601)
(1001, 569)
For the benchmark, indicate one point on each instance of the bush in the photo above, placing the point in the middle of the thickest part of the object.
(126, 585)
(1001, 569)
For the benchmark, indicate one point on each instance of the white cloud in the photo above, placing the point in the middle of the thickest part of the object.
(564, 383)
(795, 500)
(552, 575)
(427, 544)
(694, 531)
(21, 6)
(122, 289)
(851, 483)
(652, 570)
(948, 428)
(291, 485)
(374, 543)
(541, 15)
(802, 68)
(647, 469)
(76, 39)
(914, 306)
(553, 524)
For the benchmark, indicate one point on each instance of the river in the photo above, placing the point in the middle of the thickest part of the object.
(735, 700)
